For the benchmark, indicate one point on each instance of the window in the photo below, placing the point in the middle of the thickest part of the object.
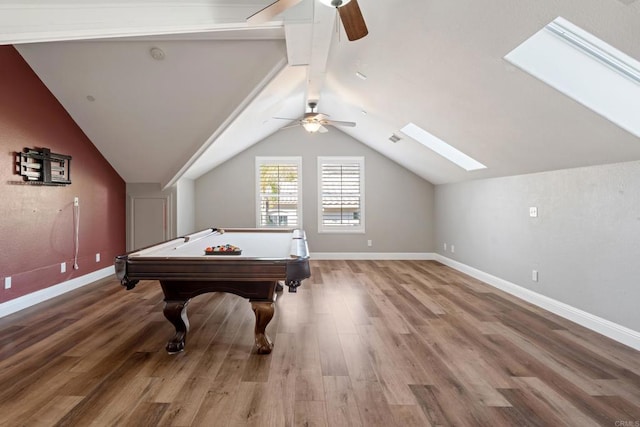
(439, 146)
(279, 200)
(341, 194)
(586, 69)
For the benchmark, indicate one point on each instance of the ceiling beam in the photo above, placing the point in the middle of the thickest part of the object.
(26, 23)
(324, 19)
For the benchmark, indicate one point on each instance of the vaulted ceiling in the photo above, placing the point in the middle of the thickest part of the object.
(219, 81)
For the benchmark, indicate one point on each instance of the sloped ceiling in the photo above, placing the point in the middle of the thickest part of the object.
(438, 64)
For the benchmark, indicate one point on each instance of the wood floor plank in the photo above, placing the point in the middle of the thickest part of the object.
(409, 416)
(616, 353)
(341, 404)
(479, 378)
(219, 402)
(120, 406)
(183, 408)
(442, 405)
(331, 356)
(390, 372)
(566, 383)
(534, 411)
(418, 292)
(99, 398)
(623, 388)
(310, 414)
(50, 413)
(362, 343)
(35, 392)
(551, 360)
(308, 368)
(554, 401)
(250, 408)
(357, 358)
(372, 405)
(147, 414)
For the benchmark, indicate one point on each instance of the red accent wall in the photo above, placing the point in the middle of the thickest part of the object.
(37, 222)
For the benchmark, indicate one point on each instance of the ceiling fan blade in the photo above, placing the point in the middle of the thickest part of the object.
(284, 118)
(323, 129)
(268, 13)
(339, 123)
(312, 116)
(353, 21)
(291, 126)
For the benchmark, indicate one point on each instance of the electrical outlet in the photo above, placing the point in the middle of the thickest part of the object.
(76, 201)
(98, 257)
(453, 249)
(7, 282)
(369, 243)
(533, 212)
(534, 275)
(63, 267)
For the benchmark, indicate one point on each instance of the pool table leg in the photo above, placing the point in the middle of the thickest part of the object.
(176, 313)
(264, 313)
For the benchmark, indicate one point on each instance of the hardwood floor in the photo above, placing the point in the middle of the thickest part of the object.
(362, 343)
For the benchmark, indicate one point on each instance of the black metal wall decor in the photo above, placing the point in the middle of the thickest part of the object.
(41, 166)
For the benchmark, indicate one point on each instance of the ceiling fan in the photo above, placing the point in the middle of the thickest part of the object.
(350, 15)
(314, 122)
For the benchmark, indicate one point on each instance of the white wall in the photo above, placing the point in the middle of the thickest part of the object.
(185, 204)
(585, 243)
(399, 204)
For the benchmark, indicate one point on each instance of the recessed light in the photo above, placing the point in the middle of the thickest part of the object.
(364, 113)
(90, 98)
(157, 53)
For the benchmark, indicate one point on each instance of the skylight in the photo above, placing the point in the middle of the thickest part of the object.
(586, 69)
(442, 148)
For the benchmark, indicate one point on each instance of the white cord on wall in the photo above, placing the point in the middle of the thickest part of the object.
(76, 215)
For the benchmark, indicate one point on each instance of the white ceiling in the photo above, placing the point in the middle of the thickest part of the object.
(437, 63)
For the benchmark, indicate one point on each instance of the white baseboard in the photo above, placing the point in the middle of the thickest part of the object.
(373, 255)
(42, 295)
(602, 326)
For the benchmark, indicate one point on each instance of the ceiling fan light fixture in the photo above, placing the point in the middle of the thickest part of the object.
(311, 127)
(335, 3)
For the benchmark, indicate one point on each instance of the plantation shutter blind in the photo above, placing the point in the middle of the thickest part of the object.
(279, 195)
(341, 194)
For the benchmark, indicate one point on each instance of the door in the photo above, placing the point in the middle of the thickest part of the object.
(149, 221)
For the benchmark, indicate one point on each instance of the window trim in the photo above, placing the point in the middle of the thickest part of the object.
(277, 160)
(342, 229)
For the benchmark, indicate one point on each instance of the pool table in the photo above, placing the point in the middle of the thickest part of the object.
(185, 270)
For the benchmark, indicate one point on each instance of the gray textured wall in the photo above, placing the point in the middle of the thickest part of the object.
(585, 242)
(399, 204)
